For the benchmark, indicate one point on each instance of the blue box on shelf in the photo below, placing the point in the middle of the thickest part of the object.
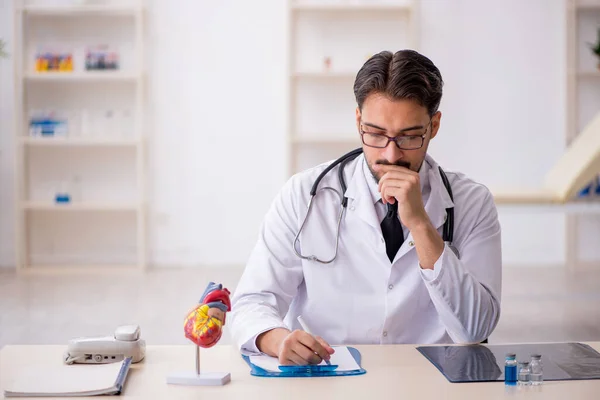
(62, 198)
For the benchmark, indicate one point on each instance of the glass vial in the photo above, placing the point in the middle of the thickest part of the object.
(524, 374)
(510, 369)
(535, 365)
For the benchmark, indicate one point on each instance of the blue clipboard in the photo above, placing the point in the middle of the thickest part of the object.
(307, 371)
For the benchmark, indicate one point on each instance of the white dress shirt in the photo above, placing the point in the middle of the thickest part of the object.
(361, 297)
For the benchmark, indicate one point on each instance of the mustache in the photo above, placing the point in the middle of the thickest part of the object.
(399, 163)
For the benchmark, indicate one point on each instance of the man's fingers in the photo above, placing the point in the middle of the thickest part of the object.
(301, 348)
(392, 194)
(392, 176)
(308, 356)
(314, 346)
(291, 358)
(393, 184)
(385, 168)
(325, 345)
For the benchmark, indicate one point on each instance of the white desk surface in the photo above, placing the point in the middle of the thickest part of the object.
(393, 372)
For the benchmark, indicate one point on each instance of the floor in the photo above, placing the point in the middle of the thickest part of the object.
(538, 304)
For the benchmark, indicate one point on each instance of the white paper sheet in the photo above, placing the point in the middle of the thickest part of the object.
(342, 358)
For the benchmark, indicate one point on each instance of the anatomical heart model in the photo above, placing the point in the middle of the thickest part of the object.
(204, 326)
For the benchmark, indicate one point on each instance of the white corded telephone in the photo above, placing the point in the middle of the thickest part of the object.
(124, 343)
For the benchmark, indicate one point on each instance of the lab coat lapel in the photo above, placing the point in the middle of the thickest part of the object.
(359, 198)
(439, 199)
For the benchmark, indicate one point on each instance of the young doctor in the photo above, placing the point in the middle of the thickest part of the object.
(419, 253)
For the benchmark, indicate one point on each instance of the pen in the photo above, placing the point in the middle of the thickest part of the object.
(307, 330)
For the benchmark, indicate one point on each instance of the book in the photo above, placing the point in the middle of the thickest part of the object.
(76, 380)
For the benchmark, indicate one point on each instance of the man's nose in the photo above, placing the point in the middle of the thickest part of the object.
(392, 153)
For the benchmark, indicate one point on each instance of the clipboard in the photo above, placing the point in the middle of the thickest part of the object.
(308, 371)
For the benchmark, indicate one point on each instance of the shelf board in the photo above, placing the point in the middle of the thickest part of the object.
(570, 207)
(327, 140)
(84, 269)
(77, 142)
(92, 76)
(99, 9)
(88, 206)
(325, 75)
(589, 74)
(366, 6)
(543, 200)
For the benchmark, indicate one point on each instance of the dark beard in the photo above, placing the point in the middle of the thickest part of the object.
(400, 163)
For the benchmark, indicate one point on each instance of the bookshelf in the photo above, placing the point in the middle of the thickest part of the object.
(80, 191)
(328, 43)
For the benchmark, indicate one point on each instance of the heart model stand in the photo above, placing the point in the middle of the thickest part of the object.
(204, 326)
(198, 378)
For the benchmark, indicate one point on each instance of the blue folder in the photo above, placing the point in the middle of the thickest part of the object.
(307, 371)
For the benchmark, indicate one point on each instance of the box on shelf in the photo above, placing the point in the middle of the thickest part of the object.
(68, 191)
(101, 57)
(48, 123)
(53, 59)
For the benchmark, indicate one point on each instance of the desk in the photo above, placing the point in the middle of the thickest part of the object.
(393, 372)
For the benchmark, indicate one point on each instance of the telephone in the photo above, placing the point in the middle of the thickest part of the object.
(124, 343)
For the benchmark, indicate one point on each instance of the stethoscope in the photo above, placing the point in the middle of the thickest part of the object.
(448, 228)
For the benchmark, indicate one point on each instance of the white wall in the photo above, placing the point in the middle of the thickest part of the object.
(217, 113)
(504, 105)
(218, 85)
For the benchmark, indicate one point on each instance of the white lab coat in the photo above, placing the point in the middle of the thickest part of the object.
(362, 298)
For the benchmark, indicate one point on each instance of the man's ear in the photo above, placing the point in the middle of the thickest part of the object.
(435, 123)
(358, 115)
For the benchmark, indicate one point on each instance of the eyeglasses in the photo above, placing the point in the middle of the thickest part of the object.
(404, 142)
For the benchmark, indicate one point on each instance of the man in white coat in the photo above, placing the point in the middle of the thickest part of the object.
(394, 279)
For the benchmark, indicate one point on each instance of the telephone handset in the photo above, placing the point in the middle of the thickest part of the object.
(125, 342)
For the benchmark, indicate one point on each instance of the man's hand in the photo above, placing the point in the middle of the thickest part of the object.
(294, 348)
(404, 186)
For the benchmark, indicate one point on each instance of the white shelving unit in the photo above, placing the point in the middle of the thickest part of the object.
(321, 100)
(583, 97)
(100, 162)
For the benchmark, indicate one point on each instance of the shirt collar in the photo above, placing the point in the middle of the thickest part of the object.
(374, 186)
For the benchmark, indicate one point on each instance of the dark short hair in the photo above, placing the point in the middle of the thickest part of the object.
(403, 75)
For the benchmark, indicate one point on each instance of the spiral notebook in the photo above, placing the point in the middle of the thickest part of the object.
(70, 380)
(345, 361)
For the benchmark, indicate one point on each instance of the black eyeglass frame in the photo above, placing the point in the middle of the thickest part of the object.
(397, 140)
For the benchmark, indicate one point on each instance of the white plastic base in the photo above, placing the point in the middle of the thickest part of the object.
(190, 378)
